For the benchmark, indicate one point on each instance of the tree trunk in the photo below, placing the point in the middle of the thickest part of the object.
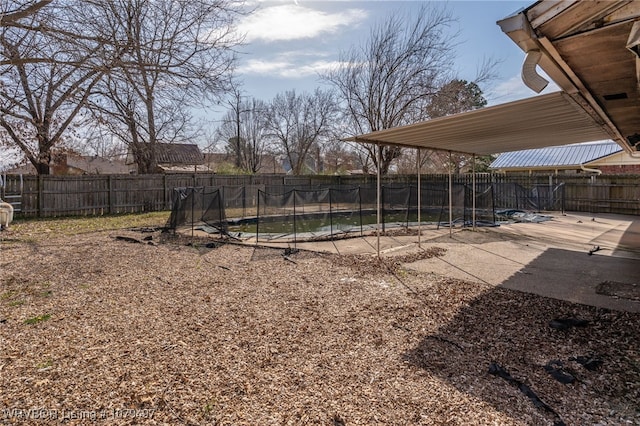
(42, 162)
(144, 157)
(43, 168)
(389, 153)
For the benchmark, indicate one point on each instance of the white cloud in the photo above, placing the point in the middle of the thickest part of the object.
(259, 66)
(295, 22)
(285, 66)
(309, 69)
(310, 52)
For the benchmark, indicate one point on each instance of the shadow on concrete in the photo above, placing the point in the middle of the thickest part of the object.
(512, 329)
(574, 276)
(629, 241)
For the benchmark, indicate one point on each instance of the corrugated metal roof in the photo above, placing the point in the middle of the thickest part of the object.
(556, 156)
(546, 120)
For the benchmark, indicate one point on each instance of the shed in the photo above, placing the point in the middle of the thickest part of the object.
(176, 158)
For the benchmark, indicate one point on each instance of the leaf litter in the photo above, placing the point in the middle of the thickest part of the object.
(219, 334)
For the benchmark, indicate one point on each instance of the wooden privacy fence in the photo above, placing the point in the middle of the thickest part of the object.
(46, 196)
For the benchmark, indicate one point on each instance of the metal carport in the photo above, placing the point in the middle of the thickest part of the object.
(590, 49)
(547, 120)
(537, 122)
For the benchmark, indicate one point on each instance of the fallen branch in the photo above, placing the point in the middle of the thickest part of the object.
(556, 369)
(567, 323)
(134, 240)
(594, 249)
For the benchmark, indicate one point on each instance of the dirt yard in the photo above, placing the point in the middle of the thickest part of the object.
(148, 329)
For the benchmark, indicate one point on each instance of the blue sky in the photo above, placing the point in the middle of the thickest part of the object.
(288, 42)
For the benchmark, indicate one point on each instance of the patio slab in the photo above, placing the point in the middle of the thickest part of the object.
(550, 258)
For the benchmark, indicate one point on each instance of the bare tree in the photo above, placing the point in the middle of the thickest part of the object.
(177, 54)
(299, 123)
(235, 140)
(96, 141)
(339, 157)
(67, 28)
(12, 12)
(10, 155)
(389, 81)
(39, 100)
(244, 132)
(142, 123)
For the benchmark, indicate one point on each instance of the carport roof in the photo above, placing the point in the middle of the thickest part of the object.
(547, 120)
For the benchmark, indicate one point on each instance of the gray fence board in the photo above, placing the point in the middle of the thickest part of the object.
(48, 196)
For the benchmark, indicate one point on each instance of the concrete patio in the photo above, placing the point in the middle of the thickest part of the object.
(550, 258)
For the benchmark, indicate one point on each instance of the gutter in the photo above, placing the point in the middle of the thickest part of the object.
(587, 169)
(541, 52)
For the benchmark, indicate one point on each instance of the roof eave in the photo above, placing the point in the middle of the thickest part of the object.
(520, 30)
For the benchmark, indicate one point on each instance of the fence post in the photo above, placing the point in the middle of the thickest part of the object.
(258, 217)
(40, 195)
(295, 231)
(550, 200)
(165, 193)
(244, 201)
(110, 200)
(330, 214)
(360, 207)
(493, 202)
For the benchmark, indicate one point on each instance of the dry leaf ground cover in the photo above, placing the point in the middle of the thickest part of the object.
(96, 329)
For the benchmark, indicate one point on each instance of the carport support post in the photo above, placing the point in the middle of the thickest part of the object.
(193, 196)
(295, 238)
(419, 206)
(379, 155)
(450, 196)
(330, 215)
(473, 183)
(258, 217)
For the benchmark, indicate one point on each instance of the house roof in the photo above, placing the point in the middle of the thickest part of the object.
(556, 156)
(179, 154)
(591, 48)
(81, 163)
(97, 165)
(173, 154)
